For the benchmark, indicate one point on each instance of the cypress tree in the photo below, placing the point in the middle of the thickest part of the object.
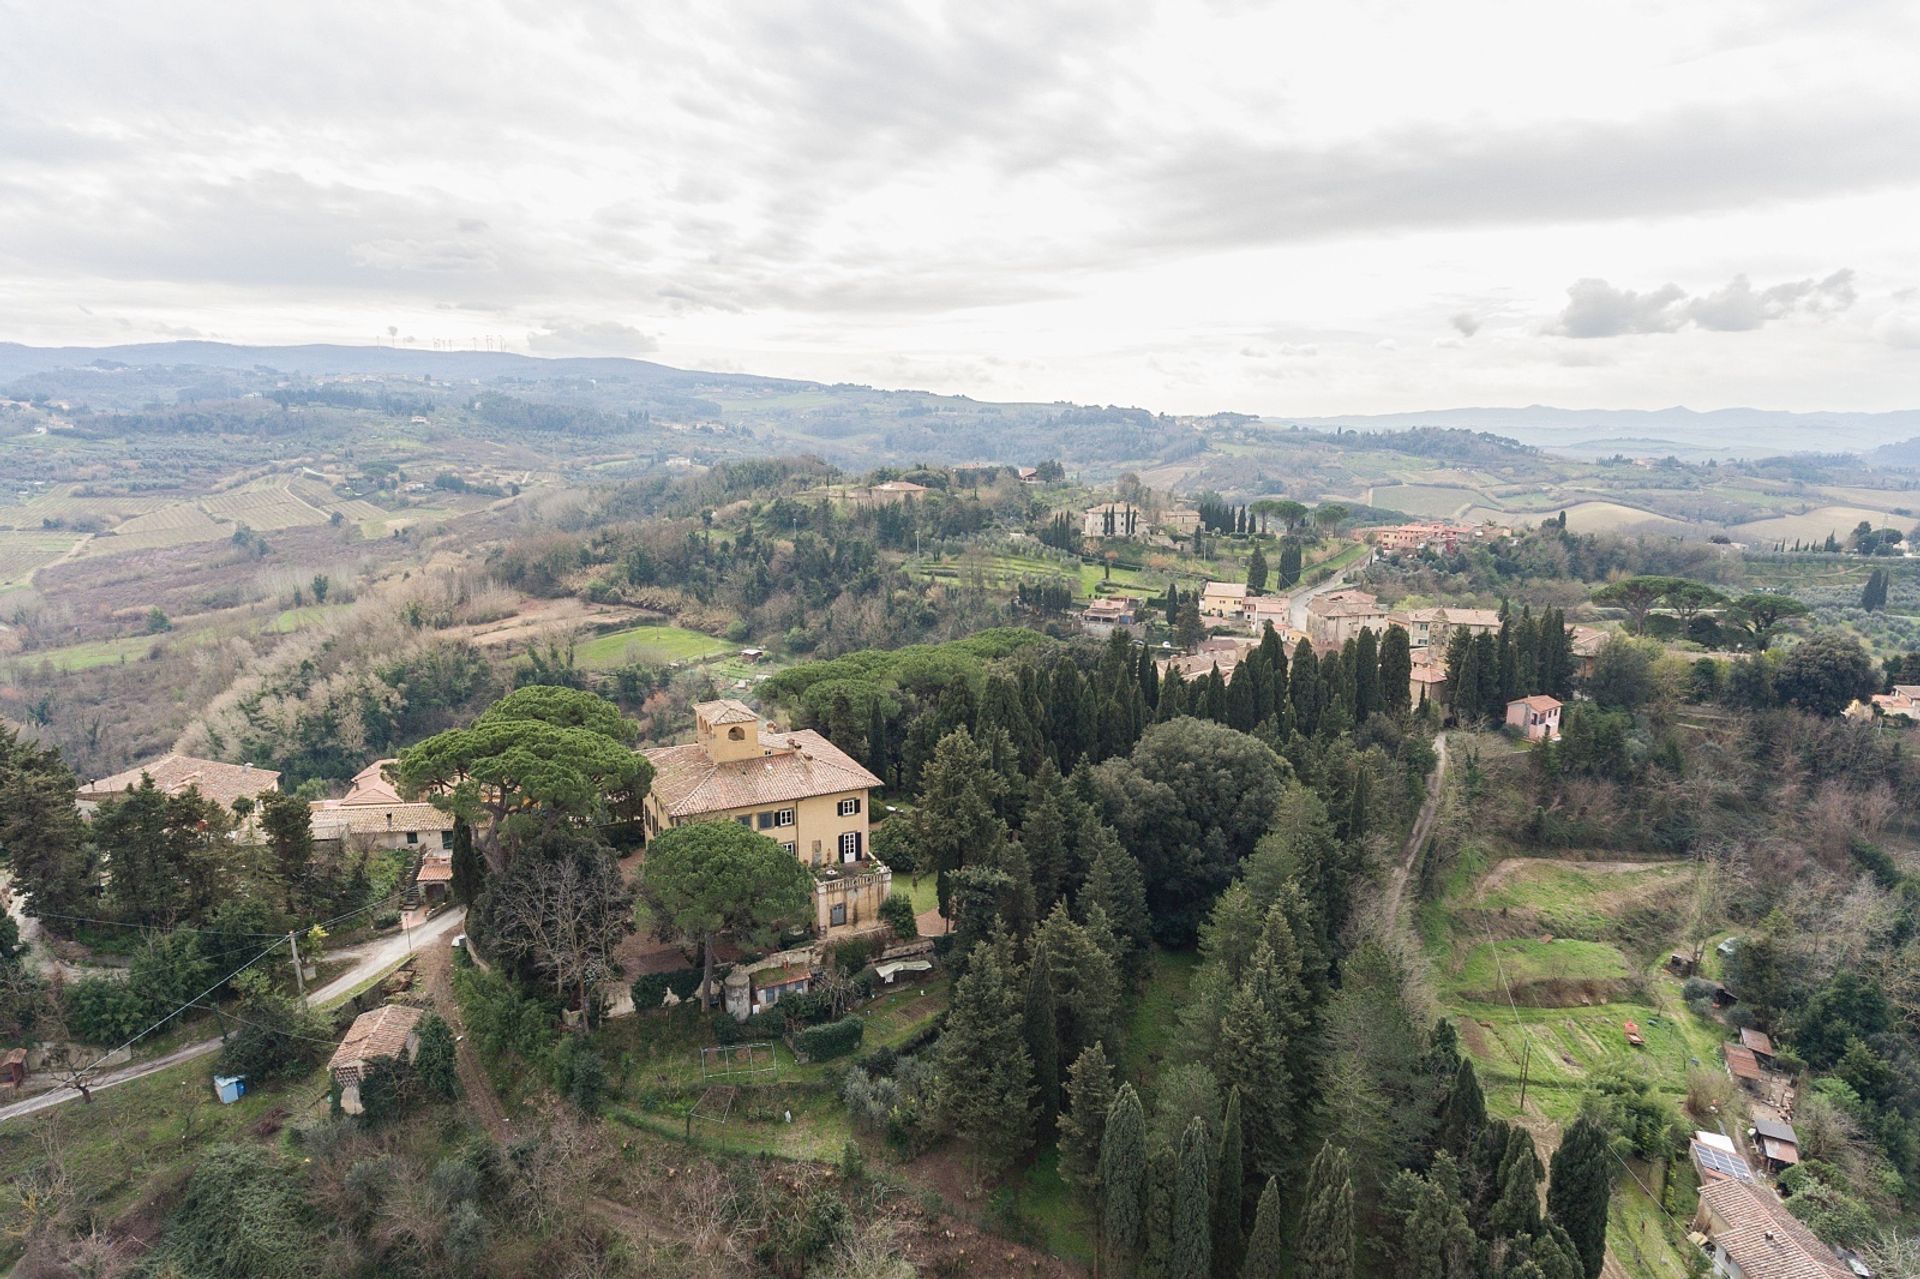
(1042, 1035)
(1263, 1245)
(1123, 1176)
(1213, 698)
(1303, 688)
(1116, 886)
(1289, 563)
(1326, 1228)
(469, 868)
(1229, 1189)
(1250, 1059)
(1463, 1113)
(1368, 699)
(1163, 1175)
(1243, 707)
(1256, 572)
(1396, 670)
(986, 1074)
(1045, 836)
(879, 751)
(1148, 677)
(1089, 1100)
(1578, 1190)
(1191, 1254)
(1516, 1205)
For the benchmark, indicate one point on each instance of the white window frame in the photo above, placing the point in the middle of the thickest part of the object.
(850, 807)
(790, 848)
(849, 843)
(783, 817)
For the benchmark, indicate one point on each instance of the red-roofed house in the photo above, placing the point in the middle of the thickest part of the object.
(797, 788)
(1537, 717)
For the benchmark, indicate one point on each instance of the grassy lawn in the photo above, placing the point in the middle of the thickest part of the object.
(1489, 968)
(113, 652)
(1043, 1200)
(1153, 1024)
(648, 645)
(922, 890)
(288, 620)
(141, 1134)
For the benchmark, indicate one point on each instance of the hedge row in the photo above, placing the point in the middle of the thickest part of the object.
(835, 1039)
(650, 990)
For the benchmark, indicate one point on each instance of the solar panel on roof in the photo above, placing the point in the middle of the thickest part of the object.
(1720, 1161)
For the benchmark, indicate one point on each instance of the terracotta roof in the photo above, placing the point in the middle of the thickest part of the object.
(1763, 1238)
(1756, 1040)
(1587, 640)
(1740, 1062)
(1270, 604)
(1408, 616)
(435, 870)
(1538, 702)
(370, 786)
(337, 821)
(796, 766)
(1232, 590)
(173, 774)
(1486, 617)
(725, 711)
(373, 1036)
(899, 486)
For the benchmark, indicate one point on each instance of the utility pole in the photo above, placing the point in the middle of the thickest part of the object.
(299, 978)
(1526, 1054)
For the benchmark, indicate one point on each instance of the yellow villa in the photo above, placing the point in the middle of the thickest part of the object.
(796, 788)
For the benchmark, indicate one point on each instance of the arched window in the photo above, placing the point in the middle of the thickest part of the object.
(736, 734)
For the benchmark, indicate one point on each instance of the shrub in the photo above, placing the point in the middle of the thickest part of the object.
(897, 911)
(650, 989)
(769, 1024)
(500, 1019)
(852, 955)
(242, 1218)
(579, 1074)
(386, 919)
(805, 1009)
(836, 1039)
(434, 1065)
(277, 1035)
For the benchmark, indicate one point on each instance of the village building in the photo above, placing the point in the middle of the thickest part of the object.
(1179, 521)
(1108, 613)
(1223, 599)
(1338, 616)
(1716, 1158)
(1434, 627)
(753, 988)
(1586, 642)
(1747, 1070)
(1113, 519)
(1537, 717)
(797, 788)
(1902, 702)
(373, 815)
(890, 493)
(388, 1033)
(1426, 679)
(176, 774)
(1778, 1143)
(1262, 611)
(1399, 539)
(1748, 1233)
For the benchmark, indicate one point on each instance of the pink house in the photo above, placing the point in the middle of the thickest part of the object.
(1537, 717)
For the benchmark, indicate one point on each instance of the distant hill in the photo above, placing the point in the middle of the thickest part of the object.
(854, 422)
(325, 360)
(1683, 432)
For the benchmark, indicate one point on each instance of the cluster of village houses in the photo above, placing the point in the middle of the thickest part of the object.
(793, 786)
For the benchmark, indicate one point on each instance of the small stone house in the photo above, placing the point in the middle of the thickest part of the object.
(388, 1033)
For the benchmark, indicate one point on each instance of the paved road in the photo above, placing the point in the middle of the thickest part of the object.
(1298, 614)
(368, 959)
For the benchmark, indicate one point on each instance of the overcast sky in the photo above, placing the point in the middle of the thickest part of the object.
(1287, 208)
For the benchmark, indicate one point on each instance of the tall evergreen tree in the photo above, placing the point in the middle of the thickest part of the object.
(1250, 1059)
(1578, 1190)
(1289, 563)
(1462, 1114)
(1516, 1204)
(1396, 670)
(1045, 835)
(1368, 697)
(1264, 1244)
(1163, 1177)
(985, 1071)
(1229, 1189)
(469, 868)
(1256, 572)
(1042, 1036)
(1090, 1094)
(1116, 886)
(1123, 1178)
(955, 822)
(1191, 1254)
(1304, 688)
(879, 741)
(1326, 1228)
(42, 834)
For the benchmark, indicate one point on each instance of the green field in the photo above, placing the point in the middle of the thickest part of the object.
(112, 652)
(23, 552)
(647, 645)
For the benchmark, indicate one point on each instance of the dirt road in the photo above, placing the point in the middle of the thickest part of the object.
(1396, 898)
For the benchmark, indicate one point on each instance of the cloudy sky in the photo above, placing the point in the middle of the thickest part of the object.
(1281, 208)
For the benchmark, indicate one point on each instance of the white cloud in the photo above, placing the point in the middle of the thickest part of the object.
(1108, 201)
(1596, 309)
